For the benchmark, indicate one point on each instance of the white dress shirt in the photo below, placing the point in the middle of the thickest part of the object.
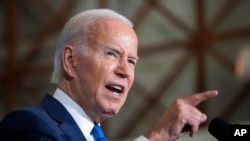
(141, 138)
(81, 118)
(79, 115)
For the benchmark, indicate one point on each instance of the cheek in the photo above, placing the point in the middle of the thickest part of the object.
(131, 78)
(107, 67)
(96, 70)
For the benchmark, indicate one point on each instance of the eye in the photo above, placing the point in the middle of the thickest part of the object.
(111, 53)
(132, 61)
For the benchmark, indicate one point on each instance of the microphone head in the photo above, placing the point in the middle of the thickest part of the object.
(219, 128)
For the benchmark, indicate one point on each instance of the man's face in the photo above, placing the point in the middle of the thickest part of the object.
(105, 74)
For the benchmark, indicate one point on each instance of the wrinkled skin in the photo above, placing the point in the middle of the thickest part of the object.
(181, 116)
(109, 61)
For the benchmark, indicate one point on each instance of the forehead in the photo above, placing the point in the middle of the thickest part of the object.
(113, 32)
(111, 26)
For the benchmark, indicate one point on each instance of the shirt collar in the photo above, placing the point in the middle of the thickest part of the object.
(79, 115)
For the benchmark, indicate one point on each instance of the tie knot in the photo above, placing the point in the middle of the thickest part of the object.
(98, 133)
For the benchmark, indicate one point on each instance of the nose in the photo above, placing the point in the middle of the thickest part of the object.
(123, 70)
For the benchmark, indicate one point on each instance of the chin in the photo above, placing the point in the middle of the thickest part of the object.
(111, 108)
(112, 111)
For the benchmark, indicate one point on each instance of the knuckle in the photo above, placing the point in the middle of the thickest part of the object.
(179, 102)
(180, 107)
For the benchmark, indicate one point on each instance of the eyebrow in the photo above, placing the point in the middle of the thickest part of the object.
(119, 51)
(135, 58)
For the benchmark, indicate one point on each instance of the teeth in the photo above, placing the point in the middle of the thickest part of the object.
(117, 88)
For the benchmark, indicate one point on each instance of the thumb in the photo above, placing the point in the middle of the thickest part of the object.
(195, 127)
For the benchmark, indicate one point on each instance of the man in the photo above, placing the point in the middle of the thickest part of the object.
(94, 68)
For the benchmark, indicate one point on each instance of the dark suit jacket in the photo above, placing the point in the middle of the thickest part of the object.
(49, 121)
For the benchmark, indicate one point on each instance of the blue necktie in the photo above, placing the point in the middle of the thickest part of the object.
(98, 133)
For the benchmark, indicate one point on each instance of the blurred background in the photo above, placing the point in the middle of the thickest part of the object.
(185, 47)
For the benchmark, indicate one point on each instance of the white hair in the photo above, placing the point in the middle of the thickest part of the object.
(75, 33)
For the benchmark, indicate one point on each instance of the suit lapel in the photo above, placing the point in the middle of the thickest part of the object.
(71, 130)
(66, 123)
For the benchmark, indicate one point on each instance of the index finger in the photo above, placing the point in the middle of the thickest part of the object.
(200, 97)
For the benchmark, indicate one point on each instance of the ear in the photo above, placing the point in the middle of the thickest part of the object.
(68, 61)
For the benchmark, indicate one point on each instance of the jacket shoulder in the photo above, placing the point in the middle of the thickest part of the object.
(32, 121)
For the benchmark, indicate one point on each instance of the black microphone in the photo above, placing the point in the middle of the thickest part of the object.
(219, 128)
(225, 131)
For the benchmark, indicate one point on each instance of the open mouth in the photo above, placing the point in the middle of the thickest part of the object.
(115, 88)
